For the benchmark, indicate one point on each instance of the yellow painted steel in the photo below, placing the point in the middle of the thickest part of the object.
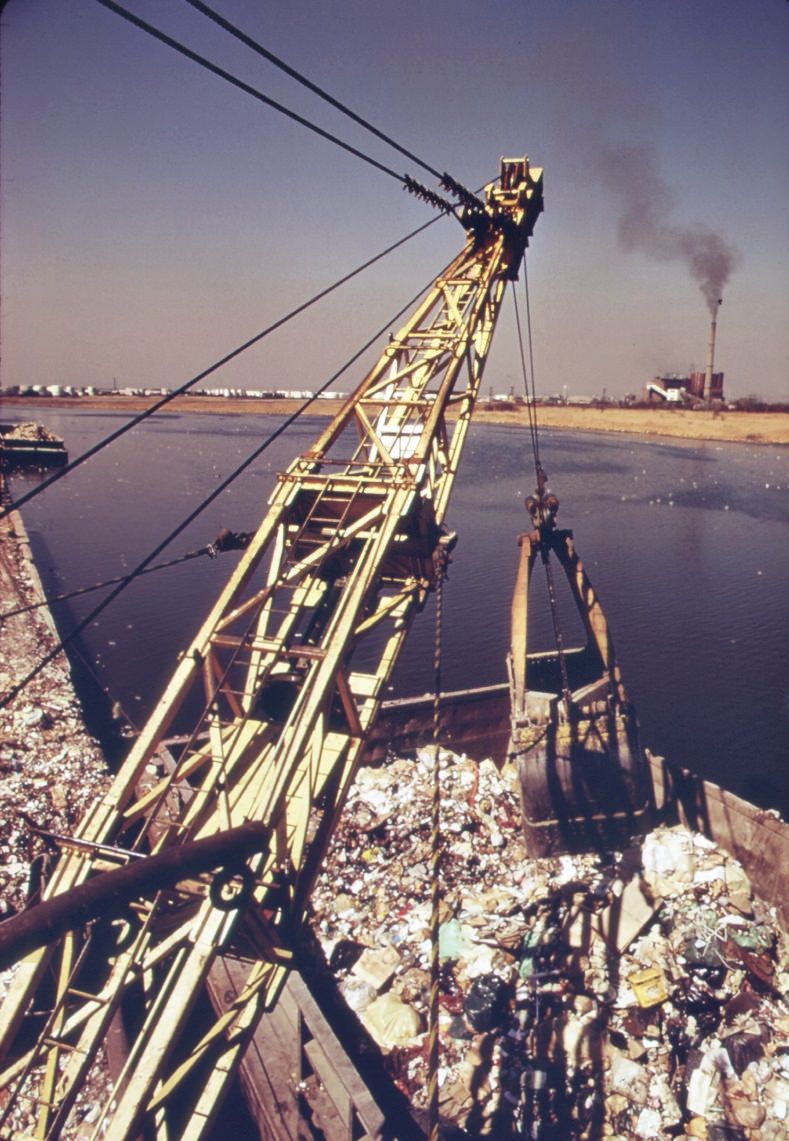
(344, 558)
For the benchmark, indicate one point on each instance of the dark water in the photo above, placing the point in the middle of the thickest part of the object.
(687, 544)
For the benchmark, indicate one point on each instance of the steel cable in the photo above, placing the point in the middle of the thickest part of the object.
(531, 403)
(140, 568)
(319, 91)
(530, 395)
(531, 358)
(153, 408)
(144, 26)
(436, 852)
(55, 598)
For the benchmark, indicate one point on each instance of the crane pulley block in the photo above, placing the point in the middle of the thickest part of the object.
(510, 209)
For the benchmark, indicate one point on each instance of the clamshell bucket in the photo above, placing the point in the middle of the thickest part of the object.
(574, 734)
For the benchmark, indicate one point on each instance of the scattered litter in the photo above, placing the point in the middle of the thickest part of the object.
(635, 994)
(649, 986)
(639, 994)
(29, 430)
(51, 770)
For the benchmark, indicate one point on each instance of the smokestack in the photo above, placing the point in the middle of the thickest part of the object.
(711, 358)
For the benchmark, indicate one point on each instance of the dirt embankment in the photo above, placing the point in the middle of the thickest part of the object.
(733, 427)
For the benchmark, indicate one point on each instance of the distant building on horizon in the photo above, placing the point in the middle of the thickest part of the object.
(675, 389)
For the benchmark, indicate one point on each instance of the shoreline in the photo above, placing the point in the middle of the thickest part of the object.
(677, 423)
(53, 768)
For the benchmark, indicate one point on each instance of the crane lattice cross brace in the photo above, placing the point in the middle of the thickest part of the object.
(344, 558)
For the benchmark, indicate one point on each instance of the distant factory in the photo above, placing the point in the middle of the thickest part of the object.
(698, 387)
(688, 390)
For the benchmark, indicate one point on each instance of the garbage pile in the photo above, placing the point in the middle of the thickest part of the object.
(29, 430)
(50, 768)
(636, 995)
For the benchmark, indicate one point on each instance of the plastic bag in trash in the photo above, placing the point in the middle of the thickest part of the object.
(668, 860)
(453, 943)
(486, 1003)
(390, 1021)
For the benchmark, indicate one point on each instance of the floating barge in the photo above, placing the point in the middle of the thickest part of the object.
(30, 445)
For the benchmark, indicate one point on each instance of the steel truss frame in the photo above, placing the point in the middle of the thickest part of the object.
(344, 558)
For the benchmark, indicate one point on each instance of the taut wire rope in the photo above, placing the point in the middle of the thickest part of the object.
(436, 852)
(55, 598)
(221, 487)
(408, 183)
(319, 91)
(531, 403)
(153, 408)
(157, 34)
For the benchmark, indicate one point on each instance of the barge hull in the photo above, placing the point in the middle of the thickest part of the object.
(476, 722)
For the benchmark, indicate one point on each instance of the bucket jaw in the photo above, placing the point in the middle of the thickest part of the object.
(573, 733)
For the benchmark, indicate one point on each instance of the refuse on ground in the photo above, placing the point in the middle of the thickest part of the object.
(638, 994)
(51, 769)
(29, 430)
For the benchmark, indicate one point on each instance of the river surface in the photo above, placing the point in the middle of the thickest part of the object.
(686, 543)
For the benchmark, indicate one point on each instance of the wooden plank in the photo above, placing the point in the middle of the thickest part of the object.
(339, 1114)
(346, 1073)
(271, 1067)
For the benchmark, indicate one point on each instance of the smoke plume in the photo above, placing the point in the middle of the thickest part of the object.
(646, 221)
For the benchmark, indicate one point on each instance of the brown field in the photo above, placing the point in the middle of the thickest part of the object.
(735, 427)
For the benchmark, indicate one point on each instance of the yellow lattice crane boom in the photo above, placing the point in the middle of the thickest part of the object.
(282, 684)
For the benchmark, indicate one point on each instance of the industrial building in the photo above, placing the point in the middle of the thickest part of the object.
(687, 390)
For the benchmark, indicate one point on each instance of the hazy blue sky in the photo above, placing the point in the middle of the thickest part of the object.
(153, 217)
